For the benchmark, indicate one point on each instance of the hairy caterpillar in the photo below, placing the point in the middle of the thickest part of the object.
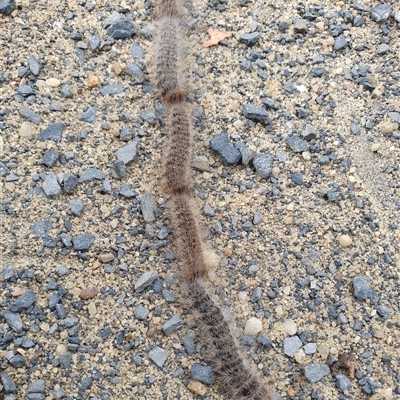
(234, 373)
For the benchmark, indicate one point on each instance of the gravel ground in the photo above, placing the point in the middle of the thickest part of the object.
(296, 175)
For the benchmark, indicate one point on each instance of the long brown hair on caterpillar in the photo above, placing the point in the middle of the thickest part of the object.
(235, 375)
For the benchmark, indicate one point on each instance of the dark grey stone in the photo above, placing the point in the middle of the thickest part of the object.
(145, 280)
(3, 169)
(246, 153)
(340, 43)
(85, 383)
(309, 133)
(149, 116)
(158, 356)
(30, 115)
(70, 322)
(324, 160)
(53, 301)
(91, 174)
(188, 342)
(7, 273)
(122, 29)
(250, 38)
(341, 319)
(343, 382)
(12, 319)
(163, 233)
(291, 345)
(207, 210)
(41, 228)
(316, 72)
(69, 183)
(34, 65)
(263, 164)
(256, 295)
(141, 312)
(129, 152)
(66, 92)
(383, 311)
(297, 144)
(264, 340)
(25, 90)
(168, 295)
(202, 373)
(126, 191)
(8, 384)
(383, 48)
(381, 12)
(76, 206)
(17, 361)
(135, 71)
(23, 302)
(89, 115)
(50, 157)
(106, 187)
(148, 207)
(362, 290)
(172, 324)
(83, 242)
(37, 386)
(247, 226)
(53, 132)
(137, 52)
(94, 42)
(137, 360)
(220, 144)
(394, 116)
(255, 113)
(65, 360)
(297, 178)
(7, 7)
(315, 372)
(51, 186)
(112, 89)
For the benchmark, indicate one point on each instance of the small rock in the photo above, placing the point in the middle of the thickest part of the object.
(255, 113)
(30, 115)
(118, 170)
(296, 144)
(246, 152)
(5, 379)
(188, 343)
(122, 29)
(343, 382)
(220, 144)
(309, 133)
(264, 340)
(149, 116)
(315, 372)
(172, 324)
(76, 206)
(297, 178)
(310, 348)
(300, 25)
(13, 320)
(345, 240)
(158, 356)
(52, 132)
(53, 82)
(145, 280)
(17, 361)
(250, 38)
(83, 242)
(197, 387)
(381, 12)
(91, 174)
(23, 302)
(69, 183)
(253, 326)
(89, 115)
(148, 207)
(141, 312)
(50, 157)
(202, 373)
(88, 293)
(388, 127)
(362, 290)
(37, 386)
(41, 228)
(290, 327)
(51, 186)
(394, 116)
(7, 7)
(7, 273)
(112, 89)
(263, 164)
(129, 152)
(291, 345)
(201, 163)
(135, 71)
(94, 42)
(383, 49)
(383, 311)
(340, 43)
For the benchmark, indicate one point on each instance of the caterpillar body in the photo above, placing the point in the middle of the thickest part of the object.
(235, 375)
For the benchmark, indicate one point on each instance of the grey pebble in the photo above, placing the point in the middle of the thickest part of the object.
(76, 206)
(53, 301)
(126, 191)
(255, 113)
(257, 218)
(17, 361)
(362, 290)
(263, 164)
(66, 92)
(135, 71)
(296, 144)
(383, 48)
(53, 132)
(106, 187)
(118, 169)
(202, 373)
(342, 382)
(7, 7)
(383, 311)
(25, 90)
(250, 38)
(122, 29)
(207, 210)
(247, 226)
(50, 158)
(94, 42)
(381, 12)
(41, 228)
(145, 280)
(148, 207)
(7, 273)
(316, 72)
(341, 319)
(85, 383)
(23, 302)
(168, 295)
(256, 295)
(8, 383)
(264, 340)
(163, 233)
(30, 115)
(188, 342)
(220, 143)
(12, 319)
(137, 52)
(297, 178)
(65, 360)
(141, 312)
(125, 134)
(112, 89)
(309, 133)
(69, 183)
(51, 186)
(397, 16)
(291, 345)
(137, 360)
(315, 372)
(172, 324)
(246, 153)
(158, 356)
(89, 115)
(310, 348)
(129, 152)
(394, 116)
(149, 116)
(324, 160)
(91, 174)
(340, 43)
(37, 386)
(3, 169)
(83, 242)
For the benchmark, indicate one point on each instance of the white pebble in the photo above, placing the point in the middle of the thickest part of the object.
(290, 327)
(253, 326)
